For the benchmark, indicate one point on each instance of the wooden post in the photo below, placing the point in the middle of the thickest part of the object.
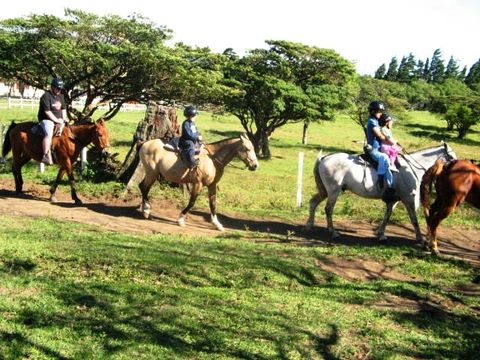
(83, 161)
(299, 182)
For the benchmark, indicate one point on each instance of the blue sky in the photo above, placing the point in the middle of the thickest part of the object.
(367, 32)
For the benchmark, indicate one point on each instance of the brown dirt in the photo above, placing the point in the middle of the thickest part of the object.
(117, 214)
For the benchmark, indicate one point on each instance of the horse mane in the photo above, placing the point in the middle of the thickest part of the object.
(224, 140)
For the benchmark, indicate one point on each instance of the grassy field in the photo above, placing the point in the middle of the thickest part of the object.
(72, 291)
(69, 291)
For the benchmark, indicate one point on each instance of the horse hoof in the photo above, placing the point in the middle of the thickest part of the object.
(220, 228)
(53, 199)
(335, 235)
(146, 214)
(78, 202)
(382, 238)
(181, 222)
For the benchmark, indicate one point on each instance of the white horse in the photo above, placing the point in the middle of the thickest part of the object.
(337, 172)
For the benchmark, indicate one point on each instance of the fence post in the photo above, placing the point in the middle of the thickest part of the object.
(8, 102)
(41, 167)
(299, 182)
(83, 160)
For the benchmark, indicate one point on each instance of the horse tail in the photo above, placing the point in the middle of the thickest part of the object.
(7, 145)
(426, 185)
(316, 174)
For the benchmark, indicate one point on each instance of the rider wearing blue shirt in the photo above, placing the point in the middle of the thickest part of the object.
(190, 135)
(374, 140)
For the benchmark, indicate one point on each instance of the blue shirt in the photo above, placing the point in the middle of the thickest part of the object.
(189, 131)
(371, 138)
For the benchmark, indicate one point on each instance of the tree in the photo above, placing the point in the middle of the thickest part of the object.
(437, 67)
(104, 60)
(392, 71)
(452, 72)
(406, 70)
(473, 76)
(289, 82)
(381, 71)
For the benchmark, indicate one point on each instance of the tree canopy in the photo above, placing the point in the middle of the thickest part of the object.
(105, 60)
(288, 82)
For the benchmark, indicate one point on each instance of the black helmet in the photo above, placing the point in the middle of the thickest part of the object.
(57, 83)
(190, 111)
(384, 118)
(376, 106)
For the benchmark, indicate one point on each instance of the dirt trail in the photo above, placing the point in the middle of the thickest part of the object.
(122, 215)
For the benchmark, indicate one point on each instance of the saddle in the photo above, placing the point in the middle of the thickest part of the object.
(38, 130)
(173, 146)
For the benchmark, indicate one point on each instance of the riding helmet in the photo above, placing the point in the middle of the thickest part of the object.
(384, 118)
(376, 106)
(57, 83)
(190, 111)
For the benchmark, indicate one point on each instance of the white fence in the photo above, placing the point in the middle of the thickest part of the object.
(31, 103)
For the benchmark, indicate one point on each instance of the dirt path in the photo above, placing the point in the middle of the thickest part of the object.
(122, 215)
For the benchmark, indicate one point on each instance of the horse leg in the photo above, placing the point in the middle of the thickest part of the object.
(332, 199)
(53, 188)
(73, 187)
(413, 219)
(212, 199)
(435, 218)
(193, 197)
(17, 172)
(145, 187)
(314, 201)
(386, 218)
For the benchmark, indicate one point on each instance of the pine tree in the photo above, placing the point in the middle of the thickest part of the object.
(437, 67)
(426, 71)
(451, 72)
(380, 73)
(418, 72)
(462, 74)
(473, 76)
(391, 74)
(406, 70)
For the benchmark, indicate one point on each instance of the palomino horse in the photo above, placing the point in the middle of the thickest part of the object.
(67, 147)
(335, 173)
(455, 182)
(214, 157)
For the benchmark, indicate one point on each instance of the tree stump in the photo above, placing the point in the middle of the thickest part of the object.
(160, 122)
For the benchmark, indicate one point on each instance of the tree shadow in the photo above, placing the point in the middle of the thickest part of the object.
(439, 134)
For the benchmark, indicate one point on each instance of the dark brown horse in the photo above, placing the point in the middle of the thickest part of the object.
(25, 146)
(456, 181)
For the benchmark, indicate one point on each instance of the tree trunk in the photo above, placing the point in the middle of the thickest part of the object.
(305, 133)
(262, 145)
(160, 122)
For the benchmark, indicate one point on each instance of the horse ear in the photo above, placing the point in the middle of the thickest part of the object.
(101, 121)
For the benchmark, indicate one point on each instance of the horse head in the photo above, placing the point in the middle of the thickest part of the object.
(449, 153)
(100, 138)
(246, 153)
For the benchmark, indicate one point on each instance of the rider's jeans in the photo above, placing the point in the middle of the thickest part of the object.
(383, 166)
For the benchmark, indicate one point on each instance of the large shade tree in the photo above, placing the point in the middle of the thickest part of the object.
(289, 82)
(105, 60)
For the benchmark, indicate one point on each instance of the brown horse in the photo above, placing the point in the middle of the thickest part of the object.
(66, 148)
(456, 181)
(157, 161)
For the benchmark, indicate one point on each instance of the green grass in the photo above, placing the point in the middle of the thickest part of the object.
(70, 291)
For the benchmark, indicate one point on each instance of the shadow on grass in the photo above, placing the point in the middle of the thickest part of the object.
(439, 133)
